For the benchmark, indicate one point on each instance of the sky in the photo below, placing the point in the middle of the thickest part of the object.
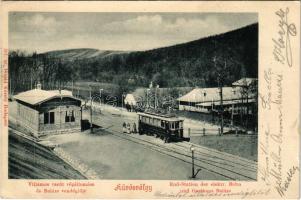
(41, 32)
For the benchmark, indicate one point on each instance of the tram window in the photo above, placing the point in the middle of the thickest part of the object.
(158, 123)
(181, 124)
(177, 125)
(172, 125)
(163, 124)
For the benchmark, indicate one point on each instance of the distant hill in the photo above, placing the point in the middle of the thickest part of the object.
(230, 56)
(74, 54)
(188, 64)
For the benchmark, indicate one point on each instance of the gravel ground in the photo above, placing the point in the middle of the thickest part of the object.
(242, 145)
(115, 158)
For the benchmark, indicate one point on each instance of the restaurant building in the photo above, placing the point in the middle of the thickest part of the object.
(240, 97)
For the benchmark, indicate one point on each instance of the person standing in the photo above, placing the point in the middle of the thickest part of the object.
(134, 130)
(128, 128)
(124, 127)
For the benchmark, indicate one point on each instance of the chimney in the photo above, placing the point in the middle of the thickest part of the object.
(39, 86)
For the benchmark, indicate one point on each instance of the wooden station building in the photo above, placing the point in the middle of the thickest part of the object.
(46, 112)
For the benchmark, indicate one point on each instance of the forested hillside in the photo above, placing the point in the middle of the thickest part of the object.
(231, 55)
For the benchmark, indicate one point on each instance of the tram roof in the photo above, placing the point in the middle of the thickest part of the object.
(165, 117)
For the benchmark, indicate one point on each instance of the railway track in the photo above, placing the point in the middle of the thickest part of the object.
(226, 165)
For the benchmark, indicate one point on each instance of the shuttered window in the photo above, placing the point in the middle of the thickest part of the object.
(69, 117)
(49, 118)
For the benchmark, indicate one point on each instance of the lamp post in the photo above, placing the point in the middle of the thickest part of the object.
(193, 175)
(192, 157)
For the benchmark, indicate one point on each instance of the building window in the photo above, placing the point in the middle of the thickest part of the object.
(49, 118)
(69, 117)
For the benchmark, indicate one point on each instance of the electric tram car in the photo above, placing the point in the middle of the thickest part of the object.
(167, 127)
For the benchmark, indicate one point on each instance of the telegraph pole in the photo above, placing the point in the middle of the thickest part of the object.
(72, 86)
(91, 124)
(221, 101)
(221, 107)
(221, 110)
(100, 98)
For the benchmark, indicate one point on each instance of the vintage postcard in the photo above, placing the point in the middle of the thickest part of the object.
(150, 100)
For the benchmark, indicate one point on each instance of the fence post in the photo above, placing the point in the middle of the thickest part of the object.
(219, 131)
(189, 132)
(204, 131)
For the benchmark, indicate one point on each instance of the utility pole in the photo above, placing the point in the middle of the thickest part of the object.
(100, 96)
(156, 98)
(31, 78)
(232, 109)
(247, 104)
(72, 86)
(221, 106)
(122, 99)
(91, 124)
(221, 101)
(221, 110)
(147, 97)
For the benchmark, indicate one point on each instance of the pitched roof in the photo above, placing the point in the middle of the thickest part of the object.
(141, 92)
(245, 82)
(37, 96)
(130, 98)
(211, 94)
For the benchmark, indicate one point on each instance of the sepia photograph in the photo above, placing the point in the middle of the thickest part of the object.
(133, 96)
